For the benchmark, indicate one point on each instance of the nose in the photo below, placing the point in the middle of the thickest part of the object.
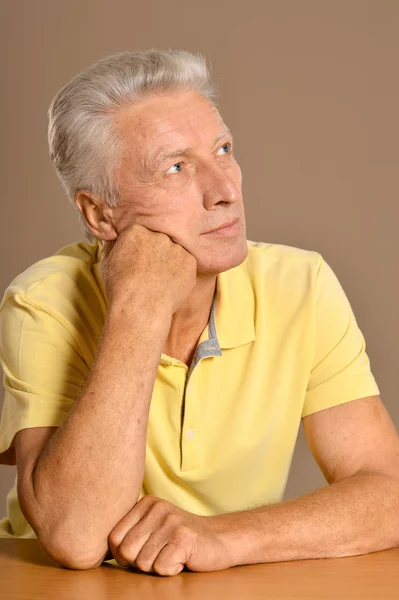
(219, 186)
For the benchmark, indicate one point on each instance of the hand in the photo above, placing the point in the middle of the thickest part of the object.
(149, 268)
(156, 536)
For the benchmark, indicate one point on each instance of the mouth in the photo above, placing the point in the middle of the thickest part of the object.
(228, 229)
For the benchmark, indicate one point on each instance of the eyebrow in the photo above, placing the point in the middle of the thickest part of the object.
(181, 152)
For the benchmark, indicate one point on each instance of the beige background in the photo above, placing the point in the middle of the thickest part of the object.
(310, 91)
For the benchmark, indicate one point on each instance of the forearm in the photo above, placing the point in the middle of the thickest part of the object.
(90, 473)
(354, 516)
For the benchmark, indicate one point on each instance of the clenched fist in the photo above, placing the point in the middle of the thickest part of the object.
(147, 268)
(156, 536)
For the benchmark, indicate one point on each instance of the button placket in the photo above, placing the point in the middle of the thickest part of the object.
(190, 438)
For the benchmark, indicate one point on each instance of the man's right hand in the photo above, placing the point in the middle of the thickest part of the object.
(148, 268)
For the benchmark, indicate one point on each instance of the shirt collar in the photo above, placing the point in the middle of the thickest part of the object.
(235, 307)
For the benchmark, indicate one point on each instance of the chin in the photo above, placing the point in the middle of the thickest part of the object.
(221, 257)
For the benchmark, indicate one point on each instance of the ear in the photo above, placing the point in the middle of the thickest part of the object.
(97, 215)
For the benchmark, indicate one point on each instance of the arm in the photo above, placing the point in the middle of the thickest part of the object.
(90, 472)
(357, 448)
(354, 516)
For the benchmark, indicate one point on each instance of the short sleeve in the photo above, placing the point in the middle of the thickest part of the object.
(341, 367)
(43, 370)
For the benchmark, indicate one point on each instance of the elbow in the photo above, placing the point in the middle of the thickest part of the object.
(71, 548)
(62, 541)
(79, 563)
(74, 555)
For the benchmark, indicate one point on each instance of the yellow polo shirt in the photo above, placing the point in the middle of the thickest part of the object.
(282, 342)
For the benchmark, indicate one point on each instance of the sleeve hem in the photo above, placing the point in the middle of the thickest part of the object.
(26, 420)
(336, 399)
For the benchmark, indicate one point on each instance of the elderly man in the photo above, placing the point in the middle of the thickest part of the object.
(157, 374)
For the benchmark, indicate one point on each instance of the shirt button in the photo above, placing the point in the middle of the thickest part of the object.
(190, 434)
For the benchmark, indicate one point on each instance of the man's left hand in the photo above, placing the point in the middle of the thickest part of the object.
(156, 536)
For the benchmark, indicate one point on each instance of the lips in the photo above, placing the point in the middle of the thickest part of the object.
(224, 226)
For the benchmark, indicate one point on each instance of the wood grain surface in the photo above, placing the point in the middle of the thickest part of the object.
(26, 572)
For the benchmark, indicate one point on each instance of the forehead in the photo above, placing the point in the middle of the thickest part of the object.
(168, 117)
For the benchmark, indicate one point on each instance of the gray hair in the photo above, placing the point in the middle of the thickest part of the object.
(84, 146)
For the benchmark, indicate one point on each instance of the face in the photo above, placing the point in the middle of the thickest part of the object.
(178, 176)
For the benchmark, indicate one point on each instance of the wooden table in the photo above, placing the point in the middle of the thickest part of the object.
(26, 573)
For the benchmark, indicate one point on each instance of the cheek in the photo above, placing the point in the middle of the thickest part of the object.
(175, 213)
(180, 200)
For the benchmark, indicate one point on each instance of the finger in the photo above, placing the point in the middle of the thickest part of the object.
(127, 551)
(105, 252)
(129, 521)
(107, 249)
(145, 558)
(171, 559)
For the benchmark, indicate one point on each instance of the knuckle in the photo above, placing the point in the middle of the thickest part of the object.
(171, 519)
(144, 564)
(156, 513)
(183, 530)
(182, 534)
(147, 498)
(134, 232)
(114, 538)
(191, 258)
(168, 571)
(157, 504)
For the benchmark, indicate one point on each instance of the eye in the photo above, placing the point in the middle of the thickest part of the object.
(179, 165)
(227, 147)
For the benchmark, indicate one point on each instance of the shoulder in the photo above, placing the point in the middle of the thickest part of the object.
(269, 252)
(63, 288)
(279, 264)
(63, 272)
